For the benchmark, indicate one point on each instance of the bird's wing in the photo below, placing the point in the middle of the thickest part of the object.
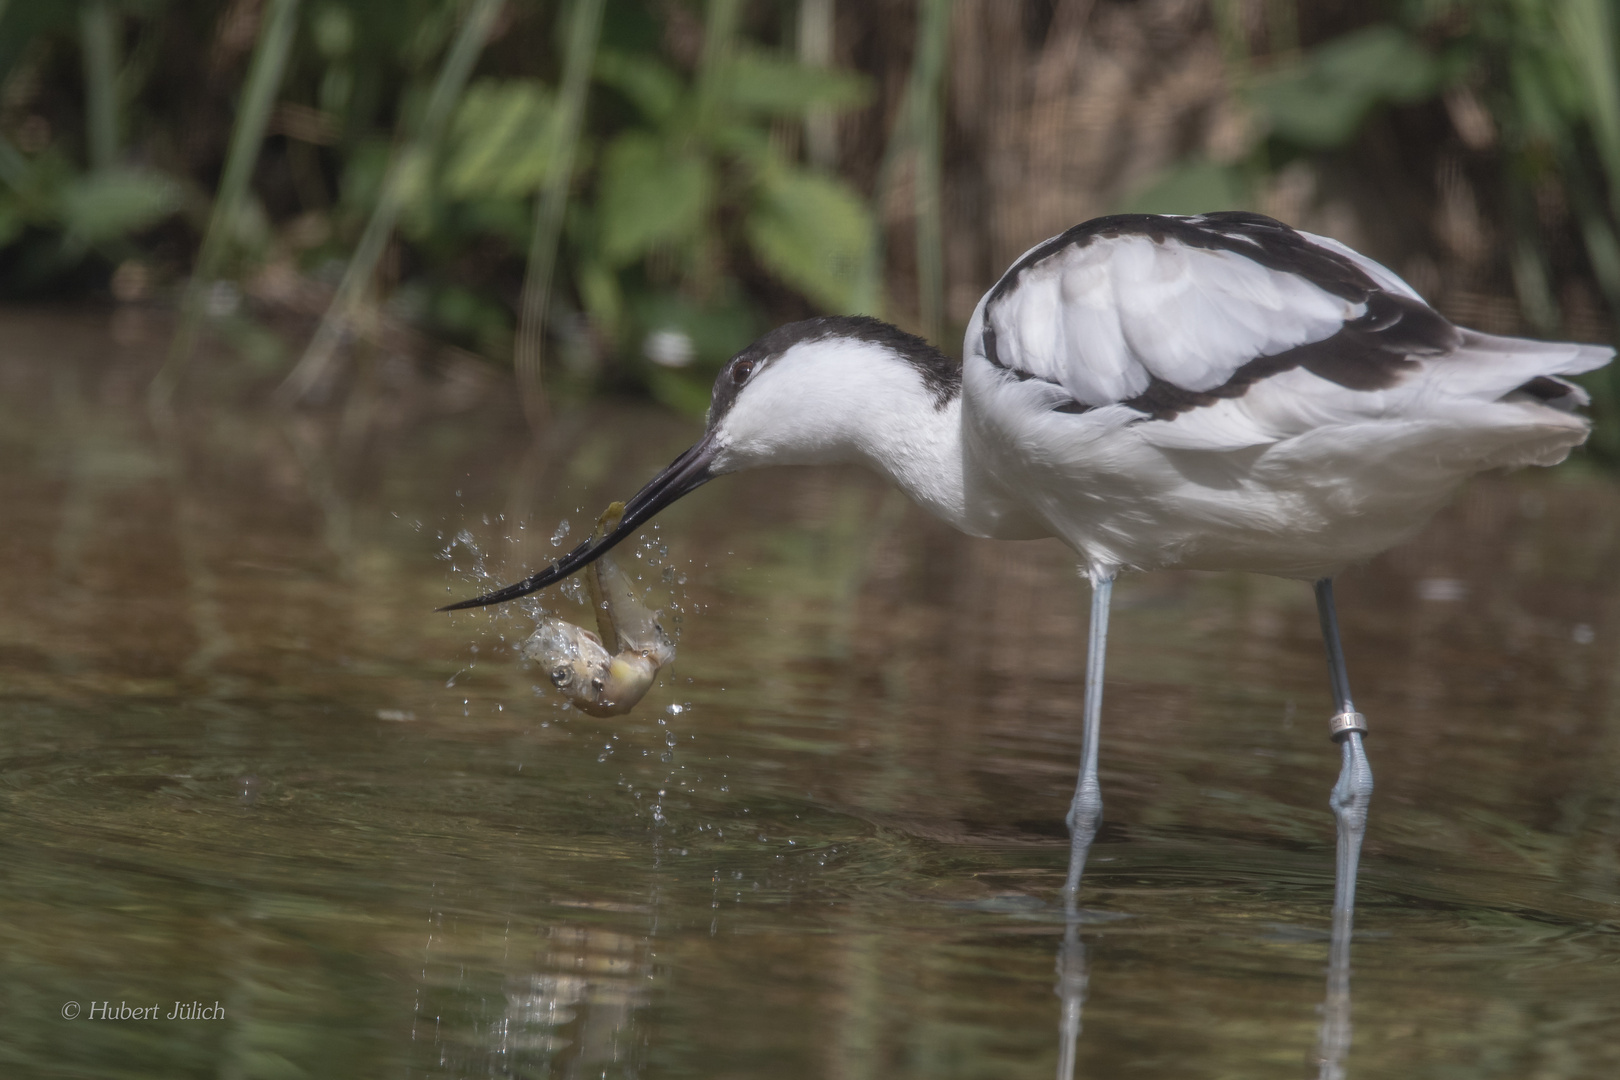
(1165, 314)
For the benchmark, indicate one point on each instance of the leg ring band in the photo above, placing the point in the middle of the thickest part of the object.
(1344, 723)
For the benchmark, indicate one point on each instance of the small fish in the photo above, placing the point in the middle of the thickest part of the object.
(606, 673)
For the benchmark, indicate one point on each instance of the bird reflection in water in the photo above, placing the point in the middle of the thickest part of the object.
(1074, 974)
(569, 1007)
(1333, 1041)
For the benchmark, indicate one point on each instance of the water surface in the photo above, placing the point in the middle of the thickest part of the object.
(241, 760)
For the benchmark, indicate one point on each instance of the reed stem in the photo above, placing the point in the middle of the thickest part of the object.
(918, 134)
(314, 370)
(269, 62)
(928, 71)
(98, 34)
(816, 28)
(529, 350)
(14, 167)
(719, 43)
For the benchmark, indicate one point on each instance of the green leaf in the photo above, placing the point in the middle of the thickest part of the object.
(500, 141)
(601, 297)
(509, 218)
(25, 25)
(1191, 188)
(332, 27)
(814, 233)
(111, 203)
(472, 316)
(679, 391)
(1539, 114)
(363, 173)
(649, 84)
(746, 143)
(650, 197)
(1379, 61)
(11, 220)
(413, 191)
(1321, 102)
(766, 83)
(718, 329)
(1588, 31)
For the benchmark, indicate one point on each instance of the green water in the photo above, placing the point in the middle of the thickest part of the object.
(242, 761)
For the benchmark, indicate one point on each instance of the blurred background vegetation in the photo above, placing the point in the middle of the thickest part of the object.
(617, 194)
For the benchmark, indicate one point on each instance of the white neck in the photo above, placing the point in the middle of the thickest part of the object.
(840, 401)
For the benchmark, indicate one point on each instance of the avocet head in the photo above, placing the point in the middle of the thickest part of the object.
(801, 395)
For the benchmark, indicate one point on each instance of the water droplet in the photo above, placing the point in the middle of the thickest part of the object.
(561, 533)
(1442, 590)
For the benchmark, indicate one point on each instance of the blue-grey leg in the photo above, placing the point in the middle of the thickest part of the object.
(1071, 990)
(1350, 797)
(1085, 814)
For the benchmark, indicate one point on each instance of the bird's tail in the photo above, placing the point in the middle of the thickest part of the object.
(1511, 399)
(1521, 370)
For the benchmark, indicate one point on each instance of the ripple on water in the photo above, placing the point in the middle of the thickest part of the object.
(241, 760)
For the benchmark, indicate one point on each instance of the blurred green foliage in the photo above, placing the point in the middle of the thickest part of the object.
(1321, 100)
(695, 176)
(54, 210)
(684, 189)
(692, 216)
(1547, 74)
(1304, 103)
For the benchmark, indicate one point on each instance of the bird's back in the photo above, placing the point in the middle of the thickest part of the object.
(1224, 392)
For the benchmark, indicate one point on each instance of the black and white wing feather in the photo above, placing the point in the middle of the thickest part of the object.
(1233, 329)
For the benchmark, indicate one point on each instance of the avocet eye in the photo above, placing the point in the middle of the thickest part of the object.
(741, 370)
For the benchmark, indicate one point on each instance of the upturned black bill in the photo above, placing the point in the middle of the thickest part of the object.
(686, 473)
